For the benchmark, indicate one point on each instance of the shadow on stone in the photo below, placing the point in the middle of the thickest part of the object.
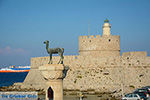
(50, 93)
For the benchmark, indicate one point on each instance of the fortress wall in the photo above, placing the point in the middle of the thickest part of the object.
(135, 54)
(135, 61)
(100, 74)
(95, 53)
(98, 79)
(136, 77)
(107, 79)
(109, 44)
(92, 42)
(86, 61)
(74, 61)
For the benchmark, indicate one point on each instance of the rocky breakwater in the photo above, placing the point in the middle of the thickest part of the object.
(17, 87)
(102, 95)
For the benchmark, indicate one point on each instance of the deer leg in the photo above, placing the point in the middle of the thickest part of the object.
(60, 61)
(61, 58)
(50, 60)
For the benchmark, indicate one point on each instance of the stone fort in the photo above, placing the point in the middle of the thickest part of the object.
(99, 67)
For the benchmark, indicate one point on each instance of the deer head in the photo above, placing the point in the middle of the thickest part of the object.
(46, 42)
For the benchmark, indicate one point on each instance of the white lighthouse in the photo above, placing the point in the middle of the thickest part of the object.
(106, 28)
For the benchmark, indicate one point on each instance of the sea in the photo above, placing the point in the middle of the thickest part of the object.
(7, 79)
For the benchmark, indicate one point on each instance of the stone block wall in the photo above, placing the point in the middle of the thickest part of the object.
(135, 54)
(100, 74)
(99, 46)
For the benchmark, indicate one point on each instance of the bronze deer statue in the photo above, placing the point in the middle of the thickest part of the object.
(51, 51)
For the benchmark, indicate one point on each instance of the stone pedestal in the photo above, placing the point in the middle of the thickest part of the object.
(57, 86)
(53, 74)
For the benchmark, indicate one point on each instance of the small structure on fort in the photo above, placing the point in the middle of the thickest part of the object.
(99, 67)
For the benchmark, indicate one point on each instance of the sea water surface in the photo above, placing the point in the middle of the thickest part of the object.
(7, 79)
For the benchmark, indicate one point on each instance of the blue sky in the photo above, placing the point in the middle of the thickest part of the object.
(26, 24)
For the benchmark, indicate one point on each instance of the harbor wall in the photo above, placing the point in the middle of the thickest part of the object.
(105, 74)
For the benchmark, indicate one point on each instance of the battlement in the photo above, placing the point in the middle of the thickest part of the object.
(135, 54)
(89, 36)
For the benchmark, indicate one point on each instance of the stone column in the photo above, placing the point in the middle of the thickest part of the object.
(54, 74)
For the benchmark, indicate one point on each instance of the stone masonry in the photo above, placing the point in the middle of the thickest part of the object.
(98, 67)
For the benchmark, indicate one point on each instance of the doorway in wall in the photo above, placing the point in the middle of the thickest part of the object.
(50, 93)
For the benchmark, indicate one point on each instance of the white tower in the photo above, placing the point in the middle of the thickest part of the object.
(106, 28)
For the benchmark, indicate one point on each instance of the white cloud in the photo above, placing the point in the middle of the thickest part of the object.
(9, 50)
(19, 50)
